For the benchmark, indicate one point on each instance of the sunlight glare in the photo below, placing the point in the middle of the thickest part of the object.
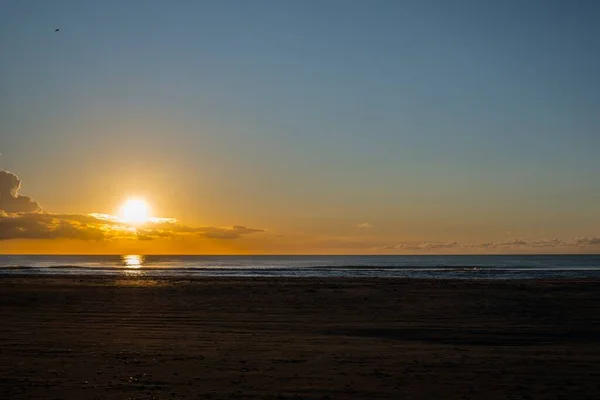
(133, 261)
(135, 211)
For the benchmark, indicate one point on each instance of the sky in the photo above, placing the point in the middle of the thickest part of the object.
(301, 127)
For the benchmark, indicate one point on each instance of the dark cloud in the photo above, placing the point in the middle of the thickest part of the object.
(45, 226)
(10, 199)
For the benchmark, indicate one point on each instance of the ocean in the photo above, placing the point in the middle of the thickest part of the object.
(444, 267)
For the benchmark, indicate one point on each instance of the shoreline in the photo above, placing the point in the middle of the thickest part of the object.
(104, 337)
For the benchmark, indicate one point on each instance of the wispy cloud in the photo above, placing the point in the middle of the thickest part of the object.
(420, 246)
(519, 243)
(587, 241)
(506, 244)
(364, 225)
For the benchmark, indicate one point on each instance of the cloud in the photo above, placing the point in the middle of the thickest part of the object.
(22, 218)
(587, 241)
(507, 244)
(520, 243)
(234, 233)
(42, 225)
(47, 226)
(422, 246)
(10, 199)
(364, 225)
(174, 229)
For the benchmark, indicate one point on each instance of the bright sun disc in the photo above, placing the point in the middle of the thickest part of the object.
(135, 211)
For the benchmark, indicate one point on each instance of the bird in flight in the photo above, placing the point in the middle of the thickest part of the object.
(57, 30)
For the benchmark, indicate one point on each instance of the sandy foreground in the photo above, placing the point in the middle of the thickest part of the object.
(134, 338)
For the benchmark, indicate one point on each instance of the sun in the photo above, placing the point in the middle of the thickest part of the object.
(135, 211)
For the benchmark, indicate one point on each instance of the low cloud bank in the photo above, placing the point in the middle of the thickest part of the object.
(22, 218)
(507, 244)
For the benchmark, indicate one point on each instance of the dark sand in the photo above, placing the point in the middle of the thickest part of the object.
(109, 338)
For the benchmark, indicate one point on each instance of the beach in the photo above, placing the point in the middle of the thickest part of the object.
(132, 337)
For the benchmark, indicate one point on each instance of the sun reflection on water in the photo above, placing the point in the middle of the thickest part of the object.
(133, 261)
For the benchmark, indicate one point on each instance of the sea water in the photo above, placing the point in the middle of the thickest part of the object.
(422, 266)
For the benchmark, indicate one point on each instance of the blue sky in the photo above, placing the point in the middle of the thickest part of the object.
(427, 119)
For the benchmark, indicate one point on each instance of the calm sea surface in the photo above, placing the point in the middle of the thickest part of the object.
(452, 267)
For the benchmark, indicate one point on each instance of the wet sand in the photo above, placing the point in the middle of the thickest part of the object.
(132, 338)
